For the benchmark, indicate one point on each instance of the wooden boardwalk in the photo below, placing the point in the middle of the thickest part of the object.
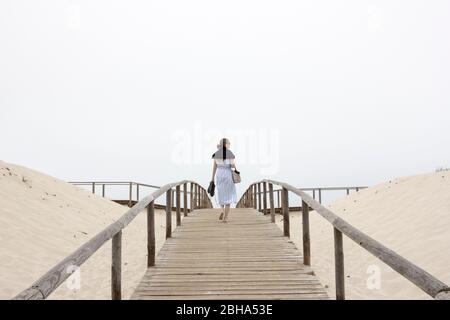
(246, 258)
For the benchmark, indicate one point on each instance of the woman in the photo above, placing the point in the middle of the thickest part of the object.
(223, 164)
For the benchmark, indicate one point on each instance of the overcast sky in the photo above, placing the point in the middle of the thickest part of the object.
(316, 93)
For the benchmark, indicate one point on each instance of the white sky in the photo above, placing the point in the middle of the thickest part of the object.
(356, 92)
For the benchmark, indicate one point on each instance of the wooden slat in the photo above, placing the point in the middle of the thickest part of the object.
(247, 258)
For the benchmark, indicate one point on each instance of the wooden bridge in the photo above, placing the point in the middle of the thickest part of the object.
(246, 258)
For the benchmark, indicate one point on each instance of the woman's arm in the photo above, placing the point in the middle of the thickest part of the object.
(233, 164)
(214, 170)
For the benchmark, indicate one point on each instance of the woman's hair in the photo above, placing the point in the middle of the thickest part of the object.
(223, 145)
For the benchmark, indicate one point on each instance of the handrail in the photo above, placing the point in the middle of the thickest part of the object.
(112, 183)
(319, 191)
(52, 279)
(421, 278)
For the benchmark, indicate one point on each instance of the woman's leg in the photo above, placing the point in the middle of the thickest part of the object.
(221, 214)
(227, 210)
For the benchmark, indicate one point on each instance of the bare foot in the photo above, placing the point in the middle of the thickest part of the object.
(221, 216)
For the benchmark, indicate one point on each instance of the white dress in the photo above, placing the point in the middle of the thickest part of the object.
(226, 189)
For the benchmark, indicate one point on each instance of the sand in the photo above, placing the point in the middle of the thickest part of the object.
(410, 215)
(43, 219)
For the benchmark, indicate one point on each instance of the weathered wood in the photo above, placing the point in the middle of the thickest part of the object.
(168, 214)
(93, 187)
(130, 196)
(278, 198)
(271, 201)
(255, 194)
(137, 192)
(151, 243)
(116, 267)
(185, 200)
(339, 265)
(103, 190)
(265, 198)
(191, 200)
(285, 206)
(306, 236)
(178, 195)
(421, 278)
(259, 198)
(249, 258)
(53, 278)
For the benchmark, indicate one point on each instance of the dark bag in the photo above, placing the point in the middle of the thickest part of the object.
(211, 188)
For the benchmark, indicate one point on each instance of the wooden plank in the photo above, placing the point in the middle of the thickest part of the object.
(248, 258)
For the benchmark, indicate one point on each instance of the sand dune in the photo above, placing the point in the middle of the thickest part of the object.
(410, 215)
(43, 219)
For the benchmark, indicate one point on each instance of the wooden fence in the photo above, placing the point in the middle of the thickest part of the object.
(51, 280)
(254, 198)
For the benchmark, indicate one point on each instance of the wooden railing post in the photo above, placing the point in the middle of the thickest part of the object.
(271, 202)
(191, 197)
(285, 208)
(306, 237)
(204, 199)
(173, 199)
(185, 201)
(255, 194)
(103, 190)
(259, 198)
(265, 198)
(169, 213)
(320, 196)
(278, 198)
(246, 198)
(116, 267)
(137, 192)
(151, 247)
(339, 265)
(130, 198)
(178, 206)
(195, 197)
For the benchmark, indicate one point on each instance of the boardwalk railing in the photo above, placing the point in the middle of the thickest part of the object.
(134, 190)
(316, 192)
(422, 279)
(43, 287)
